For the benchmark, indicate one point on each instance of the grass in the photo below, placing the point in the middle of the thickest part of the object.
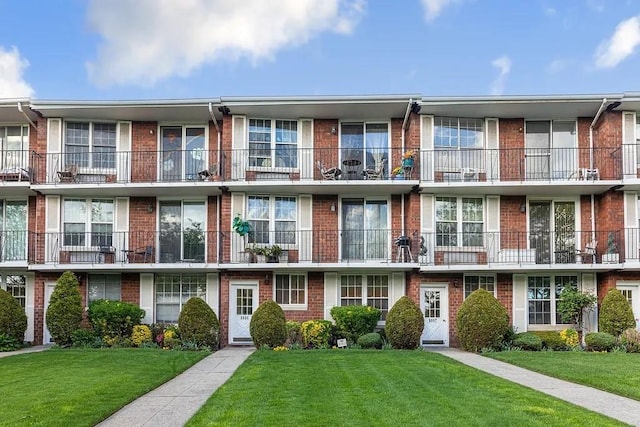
(82, 386)
(360, 387)
(614, 372)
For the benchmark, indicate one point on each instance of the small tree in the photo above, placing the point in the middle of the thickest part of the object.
(199, 324)
(64, 313)
(481, 322)
(13, 320)
(616, 314)
(404, 324)
(268, 325)
(573, 305)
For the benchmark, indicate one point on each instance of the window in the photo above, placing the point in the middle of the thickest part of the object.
(16, 285)
(459, 221)
(272, 219)
(13, 230)
(182, 231)
(543, 293)
(364, 146)
(173, 291)
(182, 152)
(14, 146)
(92, 218)
(458, 143)
(103, 286)
(472, 283)
(550, 149)
(273, 143)
(90, 144)
(374, 294)
(291, 289)
(365, 230)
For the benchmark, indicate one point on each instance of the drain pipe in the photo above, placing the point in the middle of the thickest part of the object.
(593, 124)
(25, 115)
(405, 121)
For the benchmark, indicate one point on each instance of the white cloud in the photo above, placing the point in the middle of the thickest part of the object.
(621, 45)
(558, 65)
(503, 64)
(12, 66)
(145, 41)
(433, 8)
(550, 11)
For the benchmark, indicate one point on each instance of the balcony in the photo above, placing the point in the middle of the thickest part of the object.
(522, 250)
(14, 247)
(16, 172)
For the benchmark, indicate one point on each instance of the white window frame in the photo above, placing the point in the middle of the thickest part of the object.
(481, 285)
(104, 282)
(88, 223)
(10, 159)
(460, 222)
(458, 159)
(22, 299)
(364, 292)
(3, 230)
(552, 299)
(68, 157)
(289, 290)
(272, 220)
(184, 149)
(182, 295)
(268, 163)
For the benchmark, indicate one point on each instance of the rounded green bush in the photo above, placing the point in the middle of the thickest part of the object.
(404, 324)
(317, 333)
(370, 340)
(551, 340)
(64, 313)
(527, 341)
(599, 341)
(199, 324)
(114, 318)
(355, 320)
(482, 321)
(615, 314)
(268, 325)
(13, 320)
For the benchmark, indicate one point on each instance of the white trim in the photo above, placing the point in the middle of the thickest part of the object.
(292, 307)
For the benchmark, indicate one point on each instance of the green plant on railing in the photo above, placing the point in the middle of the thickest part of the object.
(241, 226)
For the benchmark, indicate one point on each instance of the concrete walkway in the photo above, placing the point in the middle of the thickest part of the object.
(174, 402)
(34, 349)
(611, 405)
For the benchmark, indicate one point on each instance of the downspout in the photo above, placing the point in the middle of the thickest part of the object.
(404, 129)
(219, 209)
(593, 209)
(26, 117)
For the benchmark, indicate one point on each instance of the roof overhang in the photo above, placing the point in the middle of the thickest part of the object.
(9, 112)
(529, 107)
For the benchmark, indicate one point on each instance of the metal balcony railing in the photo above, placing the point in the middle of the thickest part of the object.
(14, 246)
(16, 165)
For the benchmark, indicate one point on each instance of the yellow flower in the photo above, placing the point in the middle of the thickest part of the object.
(408, 154)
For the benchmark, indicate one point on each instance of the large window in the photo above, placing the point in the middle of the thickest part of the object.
(369, 289)
(90, 144)
(364, 146)
(273, 143)
(13, 230)
(182, 152)
(104, 286)
(543, 293)
(272, 219)
(291, 289)
(550, 150)
(16, 285)
(182, 231)
(458, 143)
(365, 230)
(459, 221)
(14, 147)
(473, 283)
(88, 222)
(173, 291)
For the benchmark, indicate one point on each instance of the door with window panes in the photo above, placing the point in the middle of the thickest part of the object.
(365, 231)
(552, 233)
(182, 231)
(182, 153)
(363, 146)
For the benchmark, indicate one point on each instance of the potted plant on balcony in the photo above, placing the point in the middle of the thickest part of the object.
(397, 173)
(273, 253)
(612, 256)
(407, 159)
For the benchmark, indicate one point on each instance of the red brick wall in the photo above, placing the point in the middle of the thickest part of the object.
(325, 225)
(325, 144)
(142, 223)
(315, 300)
(511, 143)
(513, 223)
(584, 123)
(609, 208)
(144, 146)
(607, 139)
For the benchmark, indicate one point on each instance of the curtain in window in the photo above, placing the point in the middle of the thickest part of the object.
(357, 216)
(377, 143)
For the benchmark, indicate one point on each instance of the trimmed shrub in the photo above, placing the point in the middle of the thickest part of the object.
(355, 320)
(141, 334)
(316, 333)
(631, 340)
(8, 343)
(13, 320)
(294, 332)
(599, 341)
(551, 340)
(114, 319)
(199, 324)
(482, 321)
(86, 338)
(527, 341)
(268, 325)
(64, 313)
(404, 324)
(570, 337)
(371, 340)
(615, 314)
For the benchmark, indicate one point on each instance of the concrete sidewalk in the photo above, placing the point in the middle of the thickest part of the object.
(174, 402)
(611, 405)
(26, 350)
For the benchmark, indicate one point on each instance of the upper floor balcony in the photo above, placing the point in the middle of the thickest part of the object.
(16, 172)
(318, 170)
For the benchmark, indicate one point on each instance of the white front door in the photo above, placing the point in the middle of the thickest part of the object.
(243, 301)
(434, 303)
(632, 293)
(48, 290)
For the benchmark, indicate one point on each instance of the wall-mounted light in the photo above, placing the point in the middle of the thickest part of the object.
(523, 207)
(150, 208)
(151, 132)
(267, 279)
(456, 283)
(333, 207)
(415, 108)
(334, 130)
(520, 129)
(224, 110)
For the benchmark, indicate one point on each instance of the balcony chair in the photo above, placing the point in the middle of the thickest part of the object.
(207, 174)
(69, 174)
(142, 254)
(589, 250)
(375, 173)
(329, 174)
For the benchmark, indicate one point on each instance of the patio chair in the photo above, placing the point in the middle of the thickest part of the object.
(330, 173)
(375, 173)
(589, 251)
(142, 254)
(69, 174)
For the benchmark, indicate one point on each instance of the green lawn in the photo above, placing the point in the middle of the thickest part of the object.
(81, 387)
(614, 372)
(394, 388)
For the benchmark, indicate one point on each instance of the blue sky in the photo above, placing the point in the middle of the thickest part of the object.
(148, 49)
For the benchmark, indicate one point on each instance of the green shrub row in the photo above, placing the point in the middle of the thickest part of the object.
(355, 320)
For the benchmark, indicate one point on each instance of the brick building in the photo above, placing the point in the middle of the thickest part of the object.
(521, 196)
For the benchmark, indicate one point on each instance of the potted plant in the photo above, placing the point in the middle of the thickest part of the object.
(241, 226)
(273, 253)
(397, 173)
(260, 254)
(407, 159)
(611, 257)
